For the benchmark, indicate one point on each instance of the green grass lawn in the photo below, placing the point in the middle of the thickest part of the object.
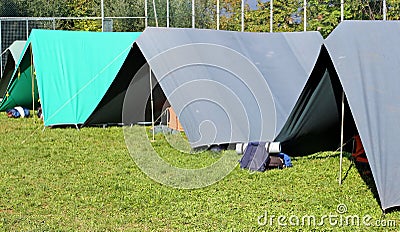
(65, 179)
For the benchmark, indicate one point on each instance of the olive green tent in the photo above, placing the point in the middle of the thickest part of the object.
(16, 85)
(12, 55)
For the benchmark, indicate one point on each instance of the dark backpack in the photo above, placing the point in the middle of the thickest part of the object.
(275, 162)
(255, 157)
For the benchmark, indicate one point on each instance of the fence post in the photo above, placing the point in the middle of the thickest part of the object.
(305, 14)
(145, 14)
(271, 15)
(155, 12)
(217, 14)
(102, 14)
(167, 13)
(242, 14)
(1, 51)
(341, 10)
(384, 9)
(193, 15)
(27, 29)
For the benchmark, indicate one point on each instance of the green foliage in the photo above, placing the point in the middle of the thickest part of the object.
(230, 16)
(10, 8)
(81, 8)
(125, 8)
(393, 9)
(70, 180)
(322, 15)
(287, 16)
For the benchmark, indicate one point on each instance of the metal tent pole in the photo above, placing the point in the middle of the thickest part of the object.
(341, 141)
(217, 14)
(33, 84)
(271, 15)
(341, 126)
(242, 15)
(152, 104)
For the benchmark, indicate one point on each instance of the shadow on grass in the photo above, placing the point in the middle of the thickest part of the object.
(365, 173)
(347, 172)
(319, 156)
(363, 169)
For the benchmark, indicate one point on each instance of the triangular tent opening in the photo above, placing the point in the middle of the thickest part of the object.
(18, 91)
(109, 110)
(12, 54)
(315, 122)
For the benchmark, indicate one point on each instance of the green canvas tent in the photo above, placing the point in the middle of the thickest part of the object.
(17, 85)
(73, 71)
(12, 55)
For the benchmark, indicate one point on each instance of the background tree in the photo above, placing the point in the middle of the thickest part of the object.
(287, 16)
(322, 15)
(393, 9)
(82, 8)
(125, 8)
(10, 8)
(230, 14)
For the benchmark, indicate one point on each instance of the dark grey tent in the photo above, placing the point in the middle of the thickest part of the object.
(228, 87)
(360, 60)
(12, 54)
(368, 66)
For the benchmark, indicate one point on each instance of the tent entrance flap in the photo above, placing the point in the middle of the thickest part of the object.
(110, 108)
(19, 90)
(314, 124)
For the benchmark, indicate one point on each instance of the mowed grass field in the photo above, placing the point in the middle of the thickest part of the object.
(86, 180)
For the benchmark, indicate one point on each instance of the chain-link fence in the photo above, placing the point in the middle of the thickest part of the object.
(19, 17)
(13, 29)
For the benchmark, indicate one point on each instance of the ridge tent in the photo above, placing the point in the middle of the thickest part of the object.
(74, 70)
(368, 65)
(365, 66)
(225, 86)
(21, 87)
(12, 54)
